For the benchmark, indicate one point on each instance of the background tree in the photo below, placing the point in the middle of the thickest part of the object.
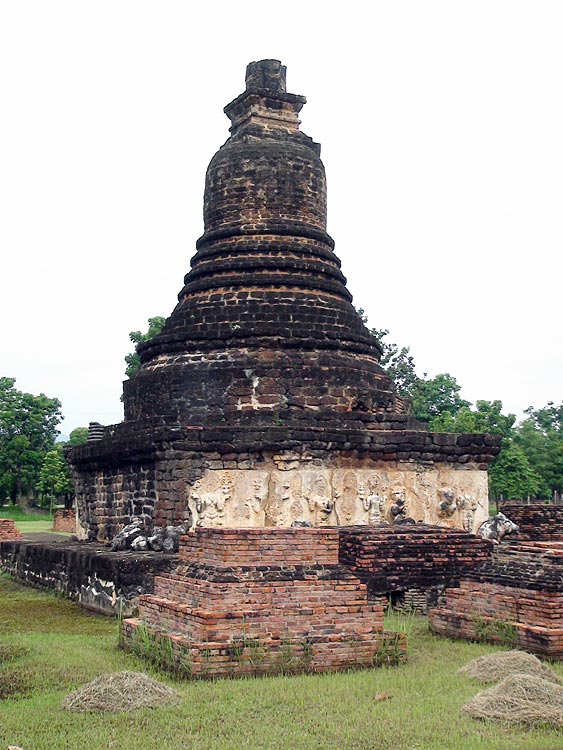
(512, 476)
(540, 437)
(432, 397)
(530, 462)
(398, 362)
(28, 430)
(54, 479)
(133, 360)
(78, 436)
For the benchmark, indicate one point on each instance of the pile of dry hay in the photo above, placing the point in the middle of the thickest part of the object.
(520, 698)
(501, 664)
(121, 691)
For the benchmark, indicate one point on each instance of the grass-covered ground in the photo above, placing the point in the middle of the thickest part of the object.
(49, 647)
(30, 523)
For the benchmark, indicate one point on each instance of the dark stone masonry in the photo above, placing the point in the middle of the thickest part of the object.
(262, 402)
(536, 521)
(88, 573)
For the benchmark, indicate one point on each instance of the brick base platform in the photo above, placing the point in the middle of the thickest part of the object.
(262, 601)
(515, 599)
(8, 530)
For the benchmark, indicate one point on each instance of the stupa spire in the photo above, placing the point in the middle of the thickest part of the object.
(265, 108)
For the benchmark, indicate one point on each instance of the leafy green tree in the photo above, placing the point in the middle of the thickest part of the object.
(432, 397)
(133, 360)
(54, 478)
(488, 417)
(399, 364)
(28, 430)
(78, 436)
(540, 437)
(511, 475)
(530, 462)
(547, 419)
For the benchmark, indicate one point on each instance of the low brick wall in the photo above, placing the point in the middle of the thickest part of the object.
(536, 521)
(65, 520)
(89, 573)
(8, 530)
(410, 557)
(516, 599)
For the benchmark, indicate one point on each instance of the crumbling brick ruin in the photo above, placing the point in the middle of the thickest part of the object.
(8, 530)
(65, 520)
(536, 521)
(262, 402)
(405, 562)
(516, 598)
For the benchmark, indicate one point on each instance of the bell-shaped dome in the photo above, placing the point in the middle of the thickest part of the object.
(265, 298)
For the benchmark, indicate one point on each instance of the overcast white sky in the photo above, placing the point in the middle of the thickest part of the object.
(441, 126)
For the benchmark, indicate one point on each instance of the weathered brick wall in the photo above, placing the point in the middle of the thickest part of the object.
(159, 466)
(65, 520)
(8, 530)
(276, 547)
(108, 497)
(536, 521)
(407, 557)
(264, 352)
(515, 598)
(107, 582)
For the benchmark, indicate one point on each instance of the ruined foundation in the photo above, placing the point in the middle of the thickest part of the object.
(8, 530)
(516, 599)
(106, 582)
(262, 406)
(65, 520)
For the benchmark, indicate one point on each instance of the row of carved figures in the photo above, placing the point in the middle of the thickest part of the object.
(282, 498)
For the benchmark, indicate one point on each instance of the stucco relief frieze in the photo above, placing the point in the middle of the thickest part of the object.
(291, 492)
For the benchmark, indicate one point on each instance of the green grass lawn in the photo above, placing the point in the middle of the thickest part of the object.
(49, 647)
(28, 523)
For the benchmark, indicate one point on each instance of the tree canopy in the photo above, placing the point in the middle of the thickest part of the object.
(530, 463)
(28, 430)
(132, 360)
(54, 478)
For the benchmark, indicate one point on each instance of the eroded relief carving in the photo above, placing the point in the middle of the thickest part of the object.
(399, 509)
(279, 496)
(319, 496)
(210, 501)
(284, 498)
(348, 500)
(373, 501)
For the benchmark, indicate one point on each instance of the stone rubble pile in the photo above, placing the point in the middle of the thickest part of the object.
(140, 536)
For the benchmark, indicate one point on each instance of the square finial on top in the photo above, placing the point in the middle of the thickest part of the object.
(266, 74)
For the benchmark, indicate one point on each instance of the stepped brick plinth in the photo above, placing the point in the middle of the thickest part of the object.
(263, 601)
(262, 402)
(515, 598)
(8, 530)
